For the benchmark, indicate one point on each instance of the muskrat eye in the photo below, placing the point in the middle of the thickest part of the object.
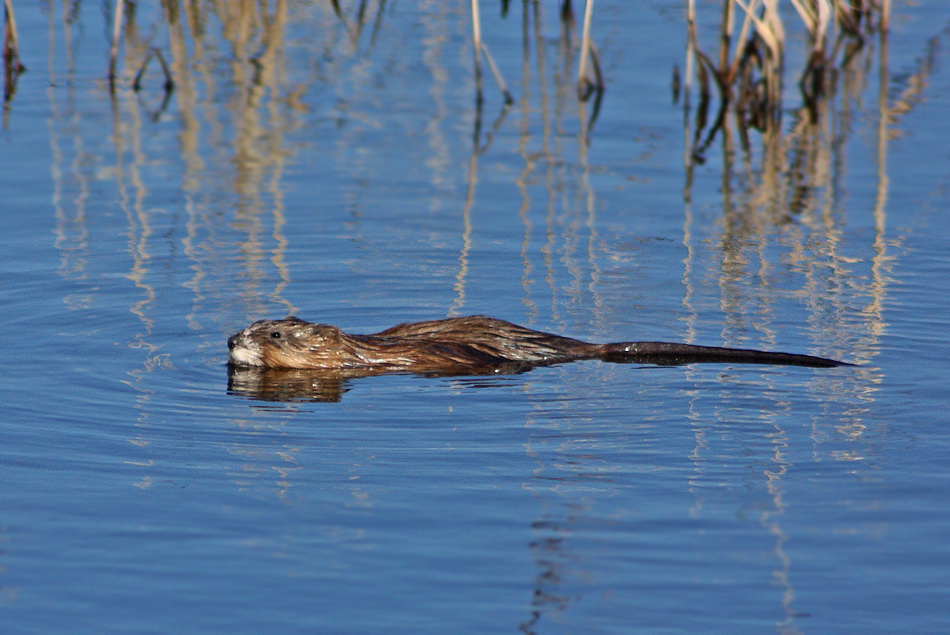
(275, 335)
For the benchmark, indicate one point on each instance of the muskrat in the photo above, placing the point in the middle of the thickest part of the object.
(464, 345)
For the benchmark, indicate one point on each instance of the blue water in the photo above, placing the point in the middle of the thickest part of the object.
(334, 178)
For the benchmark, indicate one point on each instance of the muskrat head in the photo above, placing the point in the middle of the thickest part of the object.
(288, 343)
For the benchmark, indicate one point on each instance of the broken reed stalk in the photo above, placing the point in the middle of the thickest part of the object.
(481, 47)
(11, 56)
(477, 37)
(169, 83)
(11, 42)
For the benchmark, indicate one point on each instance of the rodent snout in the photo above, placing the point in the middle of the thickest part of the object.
(232, 342)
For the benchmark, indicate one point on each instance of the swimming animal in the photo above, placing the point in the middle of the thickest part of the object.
(465, 345)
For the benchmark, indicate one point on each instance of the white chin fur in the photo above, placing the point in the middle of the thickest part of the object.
(242, 355)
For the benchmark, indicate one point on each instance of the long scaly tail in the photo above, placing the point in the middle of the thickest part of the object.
(673, 354)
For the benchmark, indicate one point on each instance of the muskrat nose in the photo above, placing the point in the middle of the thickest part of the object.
(232, 342)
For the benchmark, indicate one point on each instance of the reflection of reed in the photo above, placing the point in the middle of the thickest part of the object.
(138, 235)
(257, 36)
(880, 267)
(257, 111)
(561, 506)
(792, 193)
(795, 180)
(355, 30)
(530, 160)
(771, 521)
(562, 227)
(460, 279)
(254, 35)
(71, 227)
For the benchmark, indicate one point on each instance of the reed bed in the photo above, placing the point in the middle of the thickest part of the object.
(745, 69)
(748, 68)
(742, 72)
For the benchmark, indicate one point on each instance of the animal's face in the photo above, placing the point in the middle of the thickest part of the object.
(289, 343)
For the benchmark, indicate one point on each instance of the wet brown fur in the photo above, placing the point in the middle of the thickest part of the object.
(461, 344)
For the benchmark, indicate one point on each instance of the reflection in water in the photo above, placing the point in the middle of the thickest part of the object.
(279, 384)
(762, 447)
(286, 384)
(550, 554)
(272, 384)
(570, 475)
(771, 521)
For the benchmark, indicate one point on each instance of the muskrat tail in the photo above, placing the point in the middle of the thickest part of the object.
(666, 353)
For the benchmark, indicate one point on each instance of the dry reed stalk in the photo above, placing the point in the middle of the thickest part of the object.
(586, 86)
(749, 72)
(582, 81)
(477, 41)
(760, 97)
(690, 49)
(725, 34)
(116, 32)
(768, 27)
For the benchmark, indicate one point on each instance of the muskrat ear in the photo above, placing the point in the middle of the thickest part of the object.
(293, 318)
(321, 332)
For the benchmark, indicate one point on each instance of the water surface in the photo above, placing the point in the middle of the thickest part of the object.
(330, 171)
